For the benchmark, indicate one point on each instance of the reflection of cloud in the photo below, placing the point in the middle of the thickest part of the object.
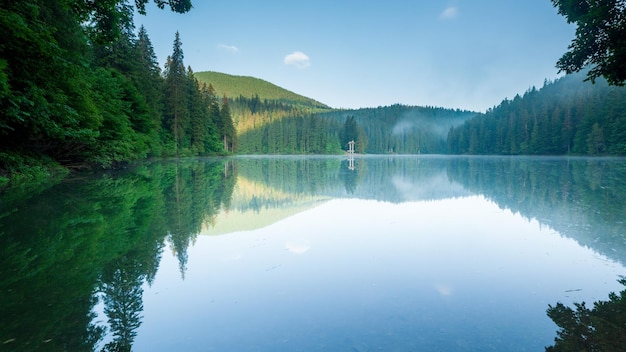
(443, 290)
(449, 13)
(297, 248)
(229, 48)
(298, 59)
(234, 258)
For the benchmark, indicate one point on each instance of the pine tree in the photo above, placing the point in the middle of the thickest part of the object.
(176, 117)
(149, 83)
(227, 127)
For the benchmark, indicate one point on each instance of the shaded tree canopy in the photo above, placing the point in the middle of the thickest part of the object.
(180, 6)
(600, 38)
(602, 328)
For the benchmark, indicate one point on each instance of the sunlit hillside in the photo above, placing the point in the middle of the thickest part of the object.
(234, 86)
(256, 205)
(255, 102)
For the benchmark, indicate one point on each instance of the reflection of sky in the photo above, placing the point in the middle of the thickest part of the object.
(457, 274)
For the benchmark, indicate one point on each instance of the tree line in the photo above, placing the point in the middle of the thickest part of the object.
(567, 116)
(395, 129)
(80, 85)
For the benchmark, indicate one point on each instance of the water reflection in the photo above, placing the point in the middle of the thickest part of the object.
(601, 328)
(106, 238)
(101, 235)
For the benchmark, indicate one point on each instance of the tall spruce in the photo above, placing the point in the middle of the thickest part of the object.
(227, 127)
(150, 84)
(176, 116)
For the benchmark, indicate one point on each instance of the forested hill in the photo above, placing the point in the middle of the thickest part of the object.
(254, 102)
(567, 116)
(398, 129)
(402, 129)
(233, 87)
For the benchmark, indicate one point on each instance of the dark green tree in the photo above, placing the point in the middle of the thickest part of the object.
(45, 105)
(180, 6)
(227, 127)
(176, 116)
(149, 83)
(600, 38)
(198, 115)
(602, 328)
(123, 302)
(350, 132)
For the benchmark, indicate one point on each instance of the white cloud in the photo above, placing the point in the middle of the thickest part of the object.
(297, 59)
(449, 13)
(229, 48)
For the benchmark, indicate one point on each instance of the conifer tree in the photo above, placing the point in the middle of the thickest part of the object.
(149, 82)
(176, 116)
(227, 127)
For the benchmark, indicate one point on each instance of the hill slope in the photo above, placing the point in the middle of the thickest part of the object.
(236, 86)
(567, 116)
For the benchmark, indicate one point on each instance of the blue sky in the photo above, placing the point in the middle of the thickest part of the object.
(353, 54)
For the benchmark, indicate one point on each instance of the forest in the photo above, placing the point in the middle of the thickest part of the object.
(80, 86)
(395, 129)
(564, 117)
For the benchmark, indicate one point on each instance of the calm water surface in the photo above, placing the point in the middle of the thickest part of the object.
(311, 254)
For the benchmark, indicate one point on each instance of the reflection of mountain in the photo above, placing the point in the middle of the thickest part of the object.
(254, 205)
(405, 178)
(269, 189)
(584, 199)
(391, 179)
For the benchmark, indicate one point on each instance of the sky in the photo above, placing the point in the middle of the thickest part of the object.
(353, 54)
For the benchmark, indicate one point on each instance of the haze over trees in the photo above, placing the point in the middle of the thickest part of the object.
(568, 116)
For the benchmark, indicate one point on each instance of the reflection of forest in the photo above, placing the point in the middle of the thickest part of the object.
(63, 248)
(601, 328)
(581, 198)
(103, 236)
(392, 179)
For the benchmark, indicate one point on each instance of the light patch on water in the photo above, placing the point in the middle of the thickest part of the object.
(443, 289)
(297, 248)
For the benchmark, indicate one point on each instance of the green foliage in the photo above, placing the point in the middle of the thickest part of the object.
(399, 128)
(599, 42)
(47, 107)
(567, 116)
(20, 170)
(349, 133)
(307, 134)
(79, 86)
(602, 328)
(393, 129)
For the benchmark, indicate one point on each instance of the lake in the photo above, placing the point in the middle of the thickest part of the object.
(371, 253)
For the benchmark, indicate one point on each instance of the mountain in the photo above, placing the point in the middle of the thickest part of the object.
(272, 120)
(233, 87)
